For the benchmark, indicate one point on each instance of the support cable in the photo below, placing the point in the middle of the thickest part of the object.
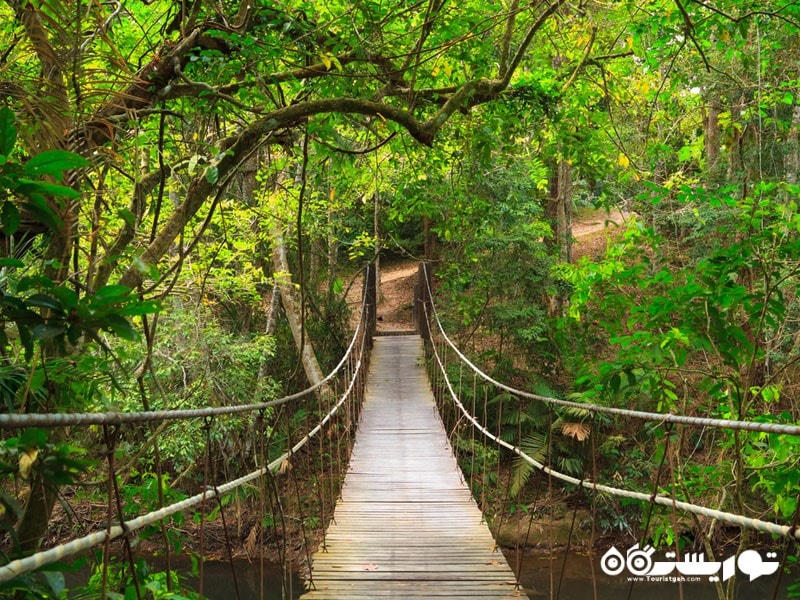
(17, 421)
(780, 428)
(24, 565)
(733, 519)
(111, 442)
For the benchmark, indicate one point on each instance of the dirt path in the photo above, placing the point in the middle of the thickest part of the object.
(590, 229)
(395, 307)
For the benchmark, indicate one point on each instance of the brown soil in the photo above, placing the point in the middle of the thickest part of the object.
(396, 301)
(591, 230)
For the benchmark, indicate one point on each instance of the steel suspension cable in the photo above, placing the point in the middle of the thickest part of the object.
(779, 428)
(24, 565)
(734, 519)
(16, 421)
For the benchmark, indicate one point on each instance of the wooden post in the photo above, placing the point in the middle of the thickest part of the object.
(371, 303)
(422, 301)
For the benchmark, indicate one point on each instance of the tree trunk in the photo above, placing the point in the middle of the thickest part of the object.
(712, 134)
(376, 230)
(430, 239)
(292, 308)
(558, 212)
(792, 167)
(735, 153)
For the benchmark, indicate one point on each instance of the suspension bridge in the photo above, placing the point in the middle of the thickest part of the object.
(405, 522)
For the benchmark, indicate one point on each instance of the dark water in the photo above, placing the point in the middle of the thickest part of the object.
(219, 582)
(577, 583)
(580, 579)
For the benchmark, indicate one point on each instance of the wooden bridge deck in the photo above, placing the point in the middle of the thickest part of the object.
(406, 525)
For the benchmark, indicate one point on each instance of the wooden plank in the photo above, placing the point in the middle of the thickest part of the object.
(406, 525)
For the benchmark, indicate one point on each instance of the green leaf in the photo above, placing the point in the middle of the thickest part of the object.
(55, 581)
(45, 301)
(68, 298)
(53, 162)
(121, 327)
(212, 175)
(29, 283)
(109, 292)
(26, 340)
(9, 215)
(11, 262)
(47, 331)
(127, 216)
(8, 133)
(32, 189)
(33, 438)
(44, 215)
(141, 308)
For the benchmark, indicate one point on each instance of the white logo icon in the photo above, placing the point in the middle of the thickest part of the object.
(639, 562)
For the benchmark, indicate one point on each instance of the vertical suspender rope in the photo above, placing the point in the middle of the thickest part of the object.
(293, 475)
(206, 467)
(110, 439)
(472, 437)
(262, 461)
(517, 549)
(320, 484)
(288, 465)
(498, 477)
(218, 498)
(593, 435)
(484, 470)
(673, 511)
(550, 502)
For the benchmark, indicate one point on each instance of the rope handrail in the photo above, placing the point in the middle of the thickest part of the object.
(27, 564)
(19, 420)
(779, 428)
(734, 519)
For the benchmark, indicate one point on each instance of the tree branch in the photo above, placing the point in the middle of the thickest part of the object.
(776, 13)
(582, 62)
(143, 92)
(235, 150)
(505, 43)
(523, 48)
(689, 29)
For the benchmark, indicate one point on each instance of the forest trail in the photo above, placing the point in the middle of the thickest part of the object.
(396, 302)
(590, 229)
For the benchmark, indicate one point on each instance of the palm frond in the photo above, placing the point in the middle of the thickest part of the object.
(535, 446)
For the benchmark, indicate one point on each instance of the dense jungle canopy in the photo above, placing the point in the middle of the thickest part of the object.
(189, 188)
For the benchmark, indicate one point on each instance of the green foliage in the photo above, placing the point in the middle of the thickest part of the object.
(45, 583)
(45, 312)
(42, 310)
(478, 462)
(710, 334)
(198, 363)
(152, 584)
(24, 189)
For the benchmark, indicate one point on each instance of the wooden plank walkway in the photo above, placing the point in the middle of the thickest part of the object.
(406, 524)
